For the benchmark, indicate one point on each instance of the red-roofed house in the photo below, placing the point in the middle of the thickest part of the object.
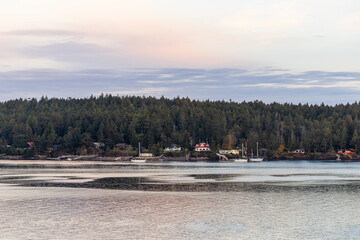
(202, 147)
(29, 144)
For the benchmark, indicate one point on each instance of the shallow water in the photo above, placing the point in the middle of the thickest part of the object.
(92, 200)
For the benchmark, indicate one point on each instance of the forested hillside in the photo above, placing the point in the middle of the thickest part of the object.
(72, 125)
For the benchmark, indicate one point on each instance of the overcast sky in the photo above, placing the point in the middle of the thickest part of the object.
(270, 50)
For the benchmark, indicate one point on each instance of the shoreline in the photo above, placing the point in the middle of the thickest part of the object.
(113, 160)
(96, 158)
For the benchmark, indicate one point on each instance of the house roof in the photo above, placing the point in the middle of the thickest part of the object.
(202, 145)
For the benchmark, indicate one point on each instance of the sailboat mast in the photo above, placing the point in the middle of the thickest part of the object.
(257, 149)
(242, 150)
(139, 148)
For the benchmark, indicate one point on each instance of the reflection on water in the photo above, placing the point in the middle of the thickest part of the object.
(270, 200)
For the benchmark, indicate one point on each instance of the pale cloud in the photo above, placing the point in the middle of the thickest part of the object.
(351, 21)
(41, 33)
(344, 77)
(184, 34)
(70, 52)
(143, 91)
(289, 86)
(189, 80)
(167, 81)
(213, 48)
(166, 75)
(277, 85)
(162, 46)
(264, 20)
(349, 85)
(237, 84)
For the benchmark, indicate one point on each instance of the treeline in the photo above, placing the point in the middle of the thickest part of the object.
(72, 125)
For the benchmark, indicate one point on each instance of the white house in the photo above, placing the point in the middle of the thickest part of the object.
(98, 144)
(302, 151)
(232, 151)
(146, 155)
(173, 148)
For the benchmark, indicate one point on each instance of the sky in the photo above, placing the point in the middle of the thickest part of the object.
(268, 50)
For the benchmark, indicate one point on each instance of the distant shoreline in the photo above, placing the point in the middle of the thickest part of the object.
(317, 157)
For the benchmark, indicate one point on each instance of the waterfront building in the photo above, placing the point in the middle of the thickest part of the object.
(202, 147)
(98, 144)
(231, 151)
(173, 148)
(301, 151)
(145, 155)
(29, 145)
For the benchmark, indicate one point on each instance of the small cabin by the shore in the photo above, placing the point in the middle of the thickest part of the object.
(231, 151)
(298, 151)
(173, 148)
(145, 155)
(202, 147)
(29, 145)
(99, 144)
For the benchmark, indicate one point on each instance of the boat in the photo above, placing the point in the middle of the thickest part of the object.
(140, 158)
(257, 158)
(243, 158)
(239, 159)
(346, 152)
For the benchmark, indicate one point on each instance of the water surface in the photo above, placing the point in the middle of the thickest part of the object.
(92, 200)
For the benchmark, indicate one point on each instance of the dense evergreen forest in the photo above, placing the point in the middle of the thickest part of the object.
(72, 125)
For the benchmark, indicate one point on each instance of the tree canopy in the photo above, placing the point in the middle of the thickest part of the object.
(72, 125)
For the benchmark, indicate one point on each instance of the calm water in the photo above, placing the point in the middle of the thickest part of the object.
(268, 200)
